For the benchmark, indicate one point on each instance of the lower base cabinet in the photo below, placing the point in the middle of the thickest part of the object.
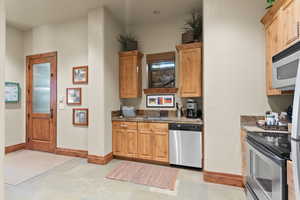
(147, 141)
(125, 139)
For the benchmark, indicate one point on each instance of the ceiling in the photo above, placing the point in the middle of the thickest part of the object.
(25, 14)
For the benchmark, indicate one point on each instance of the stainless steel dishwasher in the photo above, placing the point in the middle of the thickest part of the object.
(185, 145)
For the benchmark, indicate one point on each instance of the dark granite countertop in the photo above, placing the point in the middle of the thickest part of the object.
(158, 119)
(248, 123)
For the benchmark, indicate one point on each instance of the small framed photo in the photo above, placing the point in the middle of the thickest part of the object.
(74, 96)
(160, 101)
(80, 75)
(80, 116)
(12, 92)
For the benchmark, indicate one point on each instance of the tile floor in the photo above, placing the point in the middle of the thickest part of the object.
(78, 180)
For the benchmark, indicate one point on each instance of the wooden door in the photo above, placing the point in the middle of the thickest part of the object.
(290, 181)
(190, 72)
(161, 146)
(119, 142)
(41, 102)
(145, 145)
(130, 74)
(290, 22)
(131, 146)
(273, 45)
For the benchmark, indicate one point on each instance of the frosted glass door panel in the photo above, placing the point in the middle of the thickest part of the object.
(41, 88)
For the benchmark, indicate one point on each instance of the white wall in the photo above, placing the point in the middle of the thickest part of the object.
(156, 38)
(70, 40)
(2, 111)
(15, 72)
(234, 78)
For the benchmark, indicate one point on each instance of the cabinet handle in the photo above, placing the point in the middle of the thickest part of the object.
(124, 126)
(137, 69)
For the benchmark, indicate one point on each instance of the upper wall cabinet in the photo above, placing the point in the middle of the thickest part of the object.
(282, 30)
(130, 72)
(290, 22)
(190, 69)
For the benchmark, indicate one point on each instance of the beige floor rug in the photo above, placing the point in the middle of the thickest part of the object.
(24, 165)
(145, 174)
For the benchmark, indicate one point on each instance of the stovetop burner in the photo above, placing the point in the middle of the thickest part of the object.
(278, 143)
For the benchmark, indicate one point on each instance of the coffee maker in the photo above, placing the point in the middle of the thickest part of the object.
(191, 109)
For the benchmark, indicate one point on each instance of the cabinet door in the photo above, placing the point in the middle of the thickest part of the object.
(161, 147)
(290, 180)
(128, 77)
(131, 139)
(145, 145)
(190, 72)
(273, 45)
(119, 142)
(290, 22)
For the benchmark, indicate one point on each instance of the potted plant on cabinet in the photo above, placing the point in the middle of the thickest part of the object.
(270, 3)
(193, 28)
(128, 42)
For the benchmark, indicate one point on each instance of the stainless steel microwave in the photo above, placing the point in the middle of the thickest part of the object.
(285, 68)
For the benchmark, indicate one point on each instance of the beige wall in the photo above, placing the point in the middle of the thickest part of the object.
(2, 109)
(112, 28)
(96, 82)
(103, 91)
(156, 38)
(70, 41)
(234, 78)
(15, 72)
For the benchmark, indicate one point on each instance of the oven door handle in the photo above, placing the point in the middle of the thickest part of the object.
(266, 152)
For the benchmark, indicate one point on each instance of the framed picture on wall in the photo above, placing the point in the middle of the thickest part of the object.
(80, 116)
(12, 92)
(160, 101)
(74, 96)
(80, 75)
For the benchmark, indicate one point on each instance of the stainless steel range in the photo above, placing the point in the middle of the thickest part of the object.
(267, 175)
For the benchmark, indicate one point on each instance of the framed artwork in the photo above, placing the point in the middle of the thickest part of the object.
(12, 92)
(160, 101)
(80, 75)
(74, 96)
(80, 116)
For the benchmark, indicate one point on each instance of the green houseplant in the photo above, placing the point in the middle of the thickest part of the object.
(270, 3)
(128, 42)
(193, 28)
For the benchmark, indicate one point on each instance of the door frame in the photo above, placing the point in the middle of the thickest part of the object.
(53, 92)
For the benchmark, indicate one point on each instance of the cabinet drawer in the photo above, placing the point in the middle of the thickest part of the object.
(154, 127)
(125, 125)
(160, 128)
(144, 126)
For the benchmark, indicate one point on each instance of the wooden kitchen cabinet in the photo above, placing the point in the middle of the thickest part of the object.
(130, 74)
(290, 180)
(145, 145)
(125, 139)
(190, 69)
(290, 22)
(153, 141)
(244, 155)
(273, 46)
(281, 30)
(146, 141)
(161, 146)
